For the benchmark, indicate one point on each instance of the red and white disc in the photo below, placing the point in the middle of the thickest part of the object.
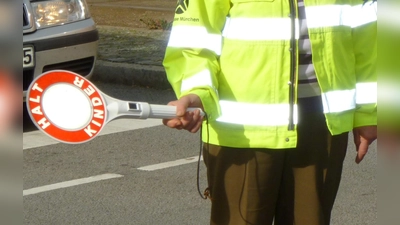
(66, 106)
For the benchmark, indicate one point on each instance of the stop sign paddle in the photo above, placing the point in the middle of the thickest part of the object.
(70, 109)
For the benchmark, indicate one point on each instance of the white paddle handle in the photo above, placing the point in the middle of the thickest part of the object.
(167, 111)
(140, 110)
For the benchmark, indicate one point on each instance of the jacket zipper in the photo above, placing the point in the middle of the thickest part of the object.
(293, 66)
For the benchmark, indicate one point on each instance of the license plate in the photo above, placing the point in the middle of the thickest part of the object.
(28, 57)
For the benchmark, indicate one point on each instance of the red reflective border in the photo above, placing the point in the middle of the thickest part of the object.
(38, 87)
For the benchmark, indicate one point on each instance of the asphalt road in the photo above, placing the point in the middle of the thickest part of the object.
(123, 191)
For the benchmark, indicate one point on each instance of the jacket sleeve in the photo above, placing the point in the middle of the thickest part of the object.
(365, 49)
(191, 58)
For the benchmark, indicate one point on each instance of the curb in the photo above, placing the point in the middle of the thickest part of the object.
(131, 74)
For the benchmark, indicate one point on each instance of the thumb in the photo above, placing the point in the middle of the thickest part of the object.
(181, 106)
(362, 149)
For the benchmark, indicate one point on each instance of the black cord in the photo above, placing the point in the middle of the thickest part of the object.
(198, 162)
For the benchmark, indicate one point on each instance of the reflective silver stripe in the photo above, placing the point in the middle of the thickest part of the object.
(341, 15)
(272, 28)
(366, 93)
(364, 13)
(258, 29)
(339, 101)
(255, 114)
(200, 79)
(329, 16)
(317, 16)
(194, 37)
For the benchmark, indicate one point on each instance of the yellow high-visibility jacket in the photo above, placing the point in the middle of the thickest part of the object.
(240, 57)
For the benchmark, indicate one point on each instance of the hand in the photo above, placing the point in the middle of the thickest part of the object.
(363, 137)
(190, 121)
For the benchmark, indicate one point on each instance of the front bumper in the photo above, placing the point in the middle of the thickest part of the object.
(70, 47)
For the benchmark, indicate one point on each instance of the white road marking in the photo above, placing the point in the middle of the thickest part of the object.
(170, 164)
(70, 183)
(107, 176)
(35, 139)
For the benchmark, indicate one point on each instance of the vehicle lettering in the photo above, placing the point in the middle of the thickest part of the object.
(27, 56)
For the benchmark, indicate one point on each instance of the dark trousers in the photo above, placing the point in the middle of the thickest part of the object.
(288, 186)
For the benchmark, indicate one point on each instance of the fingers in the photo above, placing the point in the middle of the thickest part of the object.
(363, 137)
(362, 150)
(185, 102)
(181, 107)
(195, 121)
(173, 123)
(190, 121)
